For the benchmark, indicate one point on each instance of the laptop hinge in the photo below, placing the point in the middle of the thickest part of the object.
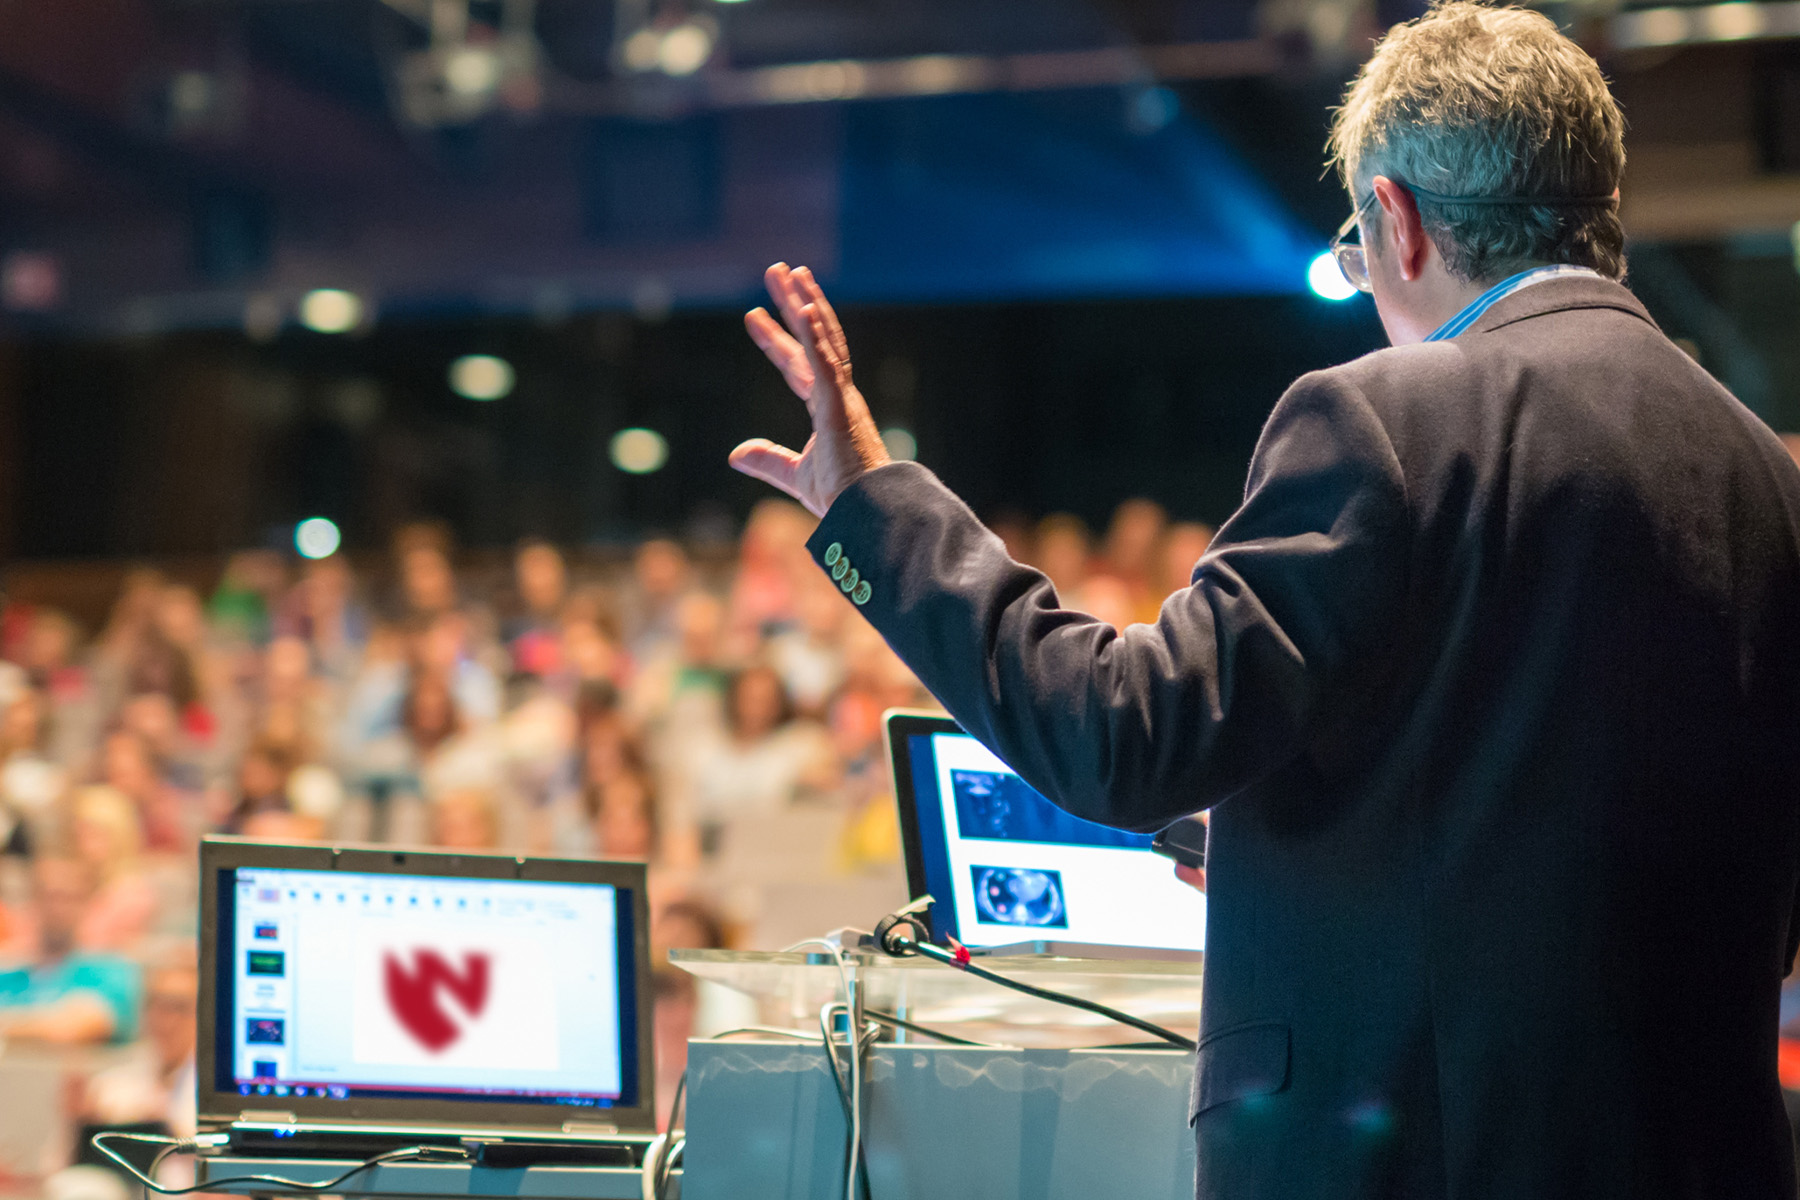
(267, 1116)
(588, 1127)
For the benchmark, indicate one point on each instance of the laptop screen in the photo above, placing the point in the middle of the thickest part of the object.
(345, 986)
(1007, 866)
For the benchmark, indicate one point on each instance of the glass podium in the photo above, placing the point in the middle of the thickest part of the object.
(791, 986)
(1056, 1104)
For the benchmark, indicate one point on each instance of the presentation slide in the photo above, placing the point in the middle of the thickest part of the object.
(436, 985)
(1021, 869)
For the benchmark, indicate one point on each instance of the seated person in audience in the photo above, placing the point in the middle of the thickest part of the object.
(465, 819)
(427, 580)
(540, 585)
(156, 1083)
(323, 608)
(262, 783)
(769, 759)
(810, 656)
(56, 992)
(30, 780)
(171, 815)
(108, 838)
(624, 808)
(283, 827)
(660, 576)
(680, 925)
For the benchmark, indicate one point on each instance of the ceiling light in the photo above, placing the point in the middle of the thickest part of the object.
(328, 310)
(481, 377)
(317, 537)
(639, 451)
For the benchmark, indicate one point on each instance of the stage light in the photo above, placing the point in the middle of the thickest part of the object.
(1327, 280)
(481, 377)
(328, 310)
(472, 71)
(316, 537)
(639, 451)
(685, 49)
(900, 443)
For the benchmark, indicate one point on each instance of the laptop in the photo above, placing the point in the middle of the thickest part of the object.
(355, 999)
(1012, 874)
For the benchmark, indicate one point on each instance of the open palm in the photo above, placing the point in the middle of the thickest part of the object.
(814, 358)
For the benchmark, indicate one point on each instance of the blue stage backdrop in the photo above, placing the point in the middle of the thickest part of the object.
(1055, 194)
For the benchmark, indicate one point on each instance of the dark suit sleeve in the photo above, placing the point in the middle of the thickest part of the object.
(1132, 729)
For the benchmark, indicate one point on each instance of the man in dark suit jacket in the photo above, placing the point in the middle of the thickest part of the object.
(1492, 684)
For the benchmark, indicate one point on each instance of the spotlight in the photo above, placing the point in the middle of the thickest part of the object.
(481, 377)
(316, 537)
(1327, 280)
(639, 451)
(328, 310)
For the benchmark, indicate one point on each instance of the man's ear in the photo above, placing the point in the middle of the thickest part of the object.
(1402, 230)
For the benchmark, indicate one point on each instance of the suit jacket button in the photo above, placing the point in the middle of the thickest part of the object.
(862, 593)
(839, 567)
(849, 582)
(833, 552)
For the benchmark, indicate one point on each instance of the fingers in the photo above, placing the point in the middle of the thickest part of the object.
(773, 464)
(813, 294)
(788, 300)
(788, 355)
(793, 288)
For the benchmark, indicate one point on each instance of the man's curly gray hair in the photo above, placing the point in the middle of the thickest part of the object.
(1473, 100)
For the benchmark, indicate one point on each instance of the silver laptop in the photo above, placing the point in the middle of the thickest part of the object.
(1012, 874)
(358, 998)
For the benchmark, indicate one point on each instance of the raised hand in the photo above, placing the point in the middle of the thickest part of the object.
(812, 354)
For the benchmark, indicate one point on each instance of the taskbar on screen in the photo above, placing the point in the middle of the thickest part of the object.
(339, 1091)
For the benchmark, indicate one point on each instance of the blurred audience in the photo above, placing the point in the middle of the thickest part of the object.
(636, 709)
(51, 989)
(155, 1081)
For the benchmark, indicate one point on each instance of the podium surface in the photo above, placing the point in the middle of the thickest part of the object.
(1049, 1110)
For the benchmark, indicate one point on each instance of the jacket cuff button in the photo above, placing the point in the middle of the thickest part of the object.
(834, 552)
(862, 593)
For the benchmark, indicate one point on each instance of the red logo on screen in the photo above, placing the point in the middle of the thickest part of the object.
(414, 995)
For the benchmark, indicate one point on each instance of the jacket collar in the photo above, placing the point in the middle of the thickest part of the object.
(1560, 294)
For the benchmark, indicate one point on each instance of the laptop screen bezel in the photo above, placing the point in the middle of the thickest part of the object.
(216, 1104)
(899, 726)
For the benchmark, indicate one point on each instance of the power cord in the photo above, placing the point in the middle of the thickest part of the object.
(902, 934)
(894, 1022)
(858, 1047)
(665, 1149)
(171, 1145)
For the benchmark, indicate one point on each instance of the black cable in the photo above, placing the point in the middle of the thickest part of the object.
(861, 1049)
(894, 1022)
(170, 1145)
(667, 1169)
(156, 1161)
(961, 963)
(676, 1102)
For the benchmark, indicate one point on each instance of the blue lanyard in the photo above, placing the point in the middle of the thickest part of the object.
(1506, 287)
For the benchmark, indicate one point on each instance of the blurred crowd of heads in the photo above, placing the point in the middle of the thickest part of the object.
(638, 704)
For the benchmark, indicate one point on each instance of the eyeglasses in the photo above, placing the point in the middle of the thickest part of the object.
(1350, 257)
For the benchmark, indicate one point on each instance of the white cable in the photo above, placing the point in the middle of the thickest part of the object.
(653, 1155)
(853, 1156)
